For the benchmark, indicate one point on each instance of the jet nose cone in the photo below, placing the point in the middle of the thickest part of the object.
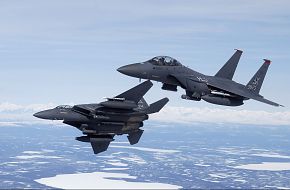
(41, 115)
(123, 69)
(131, 70)
(38, 115)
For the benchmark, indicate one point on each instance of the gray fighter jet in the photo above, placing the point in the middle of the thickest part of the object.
(219, 89)
(123, 114)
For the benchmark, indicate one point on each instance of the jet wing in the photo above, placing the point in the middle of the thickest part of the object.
(238, 89)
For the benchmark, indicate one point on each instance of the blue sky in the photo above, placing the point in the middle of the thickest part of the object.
(67, 51)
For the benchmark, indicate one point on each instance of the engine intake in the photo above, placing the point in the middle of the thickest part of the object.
(169, 87)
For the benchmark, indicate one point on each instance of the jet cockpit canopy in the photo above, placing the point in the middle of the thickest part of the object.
(64, 107)
(164, 61)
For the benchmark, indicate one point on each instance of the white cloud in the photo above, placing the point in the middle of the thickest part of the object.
(17, 115)
(217, 115)
(7, 107)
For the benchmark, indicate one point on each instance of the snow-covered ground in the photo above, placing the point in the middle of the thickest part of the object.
(270, 166)
(100, 180)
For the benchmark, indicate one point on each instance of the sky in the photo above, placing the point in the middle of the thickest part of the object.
(67, 52)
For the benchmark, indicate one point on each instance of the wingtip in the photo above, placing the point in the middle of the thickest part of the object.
(149, 82)
(239, 50)
(167, 99)
(268, 61)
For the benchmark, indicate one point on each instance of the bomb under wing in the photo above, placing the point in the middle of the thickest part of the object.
(99, 123)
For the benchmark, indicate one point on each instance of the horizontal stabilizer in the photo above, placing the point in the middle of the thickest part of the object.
(157, 106)
(135, 94)
(135, 137)
(229, 68)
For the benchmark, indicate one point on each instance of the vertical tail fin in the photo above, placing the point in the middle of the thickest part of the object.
(157, 106)
(142, 104)
(135, 94)
(229, 68)
(256, 82)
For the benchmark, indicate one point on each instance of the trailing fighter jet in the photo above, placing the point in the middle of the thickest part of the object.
(123, 114)
(219, 89)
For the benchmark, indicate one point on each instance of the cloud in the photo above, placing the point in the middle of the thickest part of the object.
(9, 107)
(218, 115)
(17, 115)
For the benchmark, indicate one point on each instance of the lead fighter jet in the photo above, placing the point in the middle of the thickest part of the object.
(123, 114)
(219, 89)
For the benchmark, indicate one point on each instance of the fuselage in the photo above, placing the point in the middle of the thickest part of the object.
(101, 120)
(171, 73)
(99, 123)
(160, 73)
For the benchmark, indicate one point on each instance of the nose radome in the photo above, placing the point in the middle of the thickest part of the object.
(38, 115)
(121, 69)
(42, 115)
(130, 70)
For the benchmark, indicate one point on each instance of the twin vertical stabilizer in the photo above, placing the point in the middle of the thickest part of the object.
(229, 68)
(257, 80)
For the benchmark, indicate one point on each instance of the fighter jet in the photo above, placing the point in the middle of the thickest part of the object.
(99, 123)
(219, 89)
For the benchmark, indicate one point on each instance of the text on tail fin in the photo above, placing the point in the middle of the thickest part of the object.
(257, 80)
